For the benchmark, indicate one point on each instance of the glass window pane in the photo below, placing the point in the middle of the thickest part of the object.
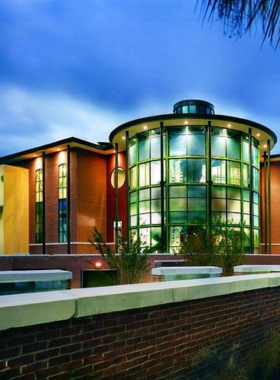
(246, 219)
(155, 145)
(132, 154)
(156, 239)
(196, 170)
(256, 221)
(233, 218)
(196, 142)
(133, 177)
(233, 174)
(255, 179)
(255, 156)
(144, 194)
(177, 170)
(246, 207)
(144, 174)
(196, 204)
(178, 217)
(155, 172)
(246, 195)
(177, 191)
(233, 148)
(234, 206)
(234, 193)
(133, 197)
(143, 147)
(192, 109)
(144, 234)
(218, 205)
(218, 192)
(133, 221)
(156, 218)
(178, 204)
(177, 142)
(133, 209)
(177, 236)
(197, 191)
(197, 217)
(144, 207)
(255, 197)
(218, 144)
(256, 241)
(218, 171)
(144, 219)
(245, 149)
(155, 193)
(256, 209)
(156, 205)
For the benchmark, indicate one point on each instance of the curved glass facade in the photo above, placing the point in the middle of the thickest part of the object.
(181, 176)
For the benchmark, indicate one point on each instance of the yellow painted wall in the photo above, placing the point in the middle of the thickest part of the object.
(14, 219)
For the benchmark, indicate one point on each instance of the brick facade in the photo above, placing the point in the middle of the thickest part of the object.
(159, 342)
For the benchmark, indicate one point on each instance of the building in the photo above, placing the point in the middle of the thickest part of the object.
(173, 172)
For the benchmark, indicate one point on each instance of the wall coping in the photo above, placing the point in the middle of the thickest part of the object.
(34, 275)
(163, 271)
(36, 308)
(257, 268)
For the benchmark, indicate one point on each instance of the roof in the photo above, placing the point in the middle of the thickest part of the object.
(72, 142)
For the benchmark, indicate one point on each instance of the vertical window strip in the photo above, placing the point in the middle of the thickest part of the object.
(39, 206)
(62, 203)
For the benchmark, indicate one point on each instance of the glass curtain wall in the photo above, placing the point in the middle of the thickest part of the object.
(189, 200)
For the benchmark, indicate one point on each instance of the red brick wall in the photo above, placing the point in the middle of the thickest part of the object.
(146, 343)
(91, 197)
(275, 207)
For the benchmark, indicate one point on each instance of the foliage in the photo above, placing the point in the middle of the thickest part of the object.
(261, 363)
(239, 16)
(216, 245)
(131, 262)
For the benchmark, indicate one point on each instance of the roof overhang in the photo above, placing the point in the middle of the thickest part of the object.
(260, 132)
(72, 142)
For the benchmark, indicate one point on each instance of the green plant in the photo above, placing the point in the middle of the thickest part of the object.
(131, 262)
(216, 245)
(199, 246)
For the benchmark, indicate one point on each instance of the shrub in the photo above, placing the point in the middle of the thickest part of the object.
(131, 262)
(216, 245)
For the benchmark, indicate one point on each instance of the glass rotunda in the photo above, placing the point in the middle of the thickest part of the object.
(191, 168)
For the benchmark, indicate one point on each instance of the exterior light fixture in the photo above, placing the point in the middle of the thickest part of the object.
(258, 134)
(145, 127)
(98, 264)
(123, 137)
(229, 125)
(186, 122)
(265, 146)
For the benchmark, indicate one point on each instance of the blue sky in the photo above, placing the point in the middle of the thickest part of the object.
(82, 67)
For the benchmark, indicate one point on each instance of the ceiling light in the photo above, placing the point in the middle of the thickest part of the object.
(145, 127)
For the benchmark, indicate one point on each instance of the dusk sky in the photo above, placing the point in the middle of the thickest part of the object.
(82, 67)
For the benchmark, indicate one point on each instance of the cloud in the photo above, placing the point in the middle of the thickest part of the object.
(30, 119)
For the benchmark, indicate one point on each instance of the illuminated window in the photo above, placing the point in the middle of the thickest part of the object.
(62, 203)
(121, 177)
(39, 211)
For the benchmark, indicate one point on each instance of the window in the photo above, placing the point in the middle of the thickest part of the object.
(39, 208)
(121, 177)
(62, 203)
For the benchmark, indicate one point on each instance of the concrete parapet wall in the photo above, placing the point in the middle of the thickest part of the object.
(144, 331)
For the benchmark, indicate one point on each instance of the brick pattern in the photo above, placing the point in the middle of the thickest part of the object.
(160, 342)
